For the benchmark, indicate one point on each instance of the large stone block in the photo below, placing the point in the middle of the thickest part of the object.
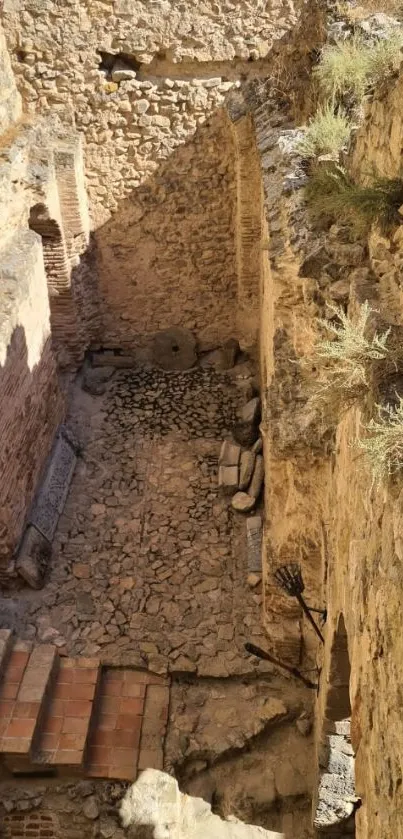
(156, 801)
(53, 492)
(33, 557)
(254, 543)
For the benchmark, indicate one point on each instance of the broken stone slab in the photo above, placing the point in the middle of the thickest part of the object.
(228, 478)
(250, 413)
(256, 483)
(230, 454)
(52, 494)
(175, 349)
(242, 502)
(246, 469)
(33, 557)
(254, 533)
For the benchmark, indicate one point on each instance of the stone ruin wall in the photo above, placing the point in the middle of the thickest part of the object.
(163, 174)
(43, 232)
(30, 397)
(173, 184)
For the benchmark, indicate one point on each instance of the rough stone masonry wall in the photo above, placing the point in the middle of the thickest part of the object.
(31, 403)
(158, 152)
(167, 256)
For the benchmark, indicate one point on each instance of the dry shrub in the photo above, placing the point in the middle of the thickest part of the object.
(350, 362)
(383, 443)
(362, 10)
(327, 133)
(349, 68)
(332, 196)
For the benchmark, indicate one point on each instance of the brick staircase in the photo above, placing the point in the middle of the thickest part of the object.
(71, 716)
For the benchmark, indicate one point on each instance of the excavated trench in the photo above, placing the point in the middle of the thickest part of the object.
(150, 569)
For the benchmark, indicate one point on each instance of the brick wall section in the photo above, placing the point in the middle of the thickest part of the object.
(168, 255)
(249, 218)
(43, 825)
(32, 405)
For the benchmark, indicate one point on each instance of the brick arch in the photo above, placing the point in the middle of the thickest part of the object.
(63, 315)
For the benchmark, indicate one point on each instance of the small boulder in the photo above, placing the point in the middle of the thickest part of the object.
(250, 413)
(121, 71)
(242, 502)
(91, 808)
(223, 358)
(253, 580)
(245, 433)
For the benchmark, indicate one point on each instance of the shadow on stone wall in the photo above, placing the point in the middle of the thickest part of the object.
(31, 409)
(168, 255)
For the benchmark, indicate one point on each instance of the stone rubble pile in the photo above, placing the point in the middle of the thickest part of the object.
(241, 467)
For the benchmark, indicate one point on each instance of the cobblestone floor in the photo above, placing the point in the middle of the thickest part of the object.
(149, 560)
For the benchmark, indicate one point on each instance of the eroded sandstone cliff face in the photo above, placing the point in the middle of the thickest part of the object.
(323, 509)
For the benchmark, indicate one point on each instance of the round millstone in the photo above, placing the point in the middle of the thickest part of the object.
(175, 349)
(242, 502)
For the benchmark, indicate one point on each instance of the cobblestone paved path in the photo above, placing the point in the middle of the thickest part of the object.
(149, 560)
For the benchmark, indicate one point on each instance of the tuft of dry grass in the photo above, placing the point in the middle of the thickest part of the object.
(350, 362)
(383, 443)
(351, 349)
(349, 68)
(362, 10)
(333, 196)
(327, 133)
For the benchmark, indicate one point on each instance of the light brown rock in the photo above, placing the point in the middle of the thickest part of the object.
(242, 502)
(228, 477)
(256, 483)
(246, 469)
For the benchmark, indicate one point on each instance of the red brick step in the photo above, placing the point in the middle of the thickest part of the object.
(23, 690)
(26, 679)
(66, 726)
(124, 708)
